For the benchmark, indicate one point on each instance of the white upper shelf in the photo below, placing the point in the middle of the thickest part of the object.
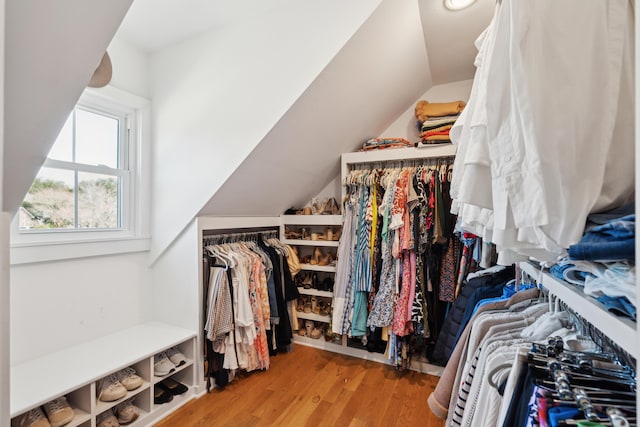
(620, 330)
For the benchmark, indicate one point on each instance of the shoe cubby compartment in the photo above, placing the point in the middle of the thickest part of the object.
(301, 230)
(187, 350)
(78, 372)
(80, 402)
(184, 377)
(142, 369)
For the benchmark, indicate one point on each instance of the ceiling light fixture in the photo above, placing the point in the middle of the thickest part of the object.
(458, 4)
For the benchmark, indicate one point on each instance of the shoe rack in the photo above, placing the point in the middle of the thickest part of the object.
(310, 235)
(76, 373)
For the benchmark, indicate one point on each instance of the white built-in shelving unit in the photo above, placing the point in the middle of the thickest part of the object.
(76, 371)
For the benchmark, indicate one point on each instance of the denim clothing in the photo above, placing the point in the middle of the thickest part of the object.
(593, 220)
(618, 305)
(614, 240)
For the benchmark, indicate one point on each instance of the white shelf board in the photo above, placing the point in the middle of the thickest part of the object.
(325, 268)
(313, 316)
(79, 417)
(315, 292)
(620, 330)
(325, 243)
(103, 406)
(311, 219)
(436, 150)
(36, 382)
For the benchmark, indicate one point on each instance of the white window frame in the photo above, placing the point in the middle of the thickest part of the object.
(133, 234)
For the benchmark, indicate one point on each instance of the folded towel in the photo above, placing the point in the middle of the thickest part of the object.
(426, 109)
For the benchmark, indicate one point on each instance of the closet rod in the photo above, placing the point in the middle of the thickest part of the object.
(600, 338)
(213, 236)
(426, 161)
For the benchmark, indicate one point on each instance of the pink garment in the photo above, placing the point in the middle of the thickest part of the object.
(412, 294)
(260, 343)
(400, 325)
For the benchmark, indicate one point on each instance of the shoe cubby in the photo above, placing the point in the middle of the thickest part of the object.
(79, 372)
(142, 368)
(187, 351)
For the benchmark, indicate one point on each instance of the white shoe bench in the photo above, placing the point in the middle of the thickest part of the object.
(74, 373)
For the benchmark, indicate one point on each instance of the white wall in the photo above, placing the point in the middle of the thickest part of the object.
(60, 304)
(176, 293)
(216, 96)
(130, 68)
(405, 126)
(348, 103)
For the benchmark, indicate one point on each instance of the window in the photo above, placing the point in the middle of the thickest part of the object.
(91, 195)
(85, 179)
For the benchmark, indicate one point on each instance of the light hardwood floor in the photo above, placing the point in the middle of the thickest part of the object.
(311, 387)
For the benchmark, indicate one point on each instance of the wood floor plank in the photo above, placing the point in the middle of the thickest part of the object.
(311, 387)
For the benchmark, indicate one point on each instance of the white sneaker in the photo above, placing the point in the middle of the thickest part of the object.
(111, 389)
(107, 419)
(33, 418)
(176, 357)
(129, 379)
(162, 365)
(126, 412)
(58, 412)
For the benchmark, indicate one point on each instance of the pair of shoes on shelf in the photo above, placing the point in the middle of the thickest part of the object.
(54, 413)
(172, 386)
(122, 414)
(126, 412)
(313, 331)
(324, 308)
(164, 391)
(319, 258)
(107, 419)
(110, 388)
(129, 379)
(118, 384)
(166, 362)
(326, 285)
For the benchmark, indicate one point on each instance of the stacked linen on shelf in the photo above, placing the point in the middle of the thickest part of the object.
(381, 143)
(603, 261)
(435, 119)
(531, 161)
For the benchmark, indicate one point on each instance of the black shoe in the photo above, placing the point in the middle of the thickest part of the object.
(173, 387)
(161, 395)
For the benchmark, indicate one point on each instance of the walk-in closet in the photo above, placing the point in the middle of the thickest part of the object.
(286, 213)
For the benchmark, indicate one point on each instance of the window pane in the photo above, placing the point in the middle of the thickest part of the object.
(96, 139)
(63, 147)
(97, 201)
(49, 203)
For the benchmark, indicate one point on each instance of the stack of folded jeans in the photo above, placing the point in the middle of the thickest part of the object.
(603, 261)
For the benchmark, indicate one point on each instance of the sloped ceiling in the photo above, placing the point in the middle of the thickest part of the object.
(374, 78)
(52, 49)
(449, 37)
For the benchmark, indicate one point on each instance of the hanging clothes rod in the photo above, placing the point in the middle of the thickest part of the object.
(211, 237)
(380, 164)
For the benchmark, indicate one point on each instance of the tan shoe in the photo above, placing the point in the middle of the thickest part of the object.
(111, 389)
(126, 412)
(107, 419)
(33, 418)
(129, 379)
(58, 412)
